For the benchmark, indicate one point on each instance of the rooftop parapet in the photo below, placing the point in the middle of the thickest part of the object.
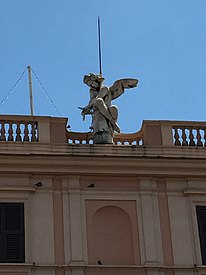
(174, 133)
(44, 129)
(119, 139)
(154, 133)
(33, 129)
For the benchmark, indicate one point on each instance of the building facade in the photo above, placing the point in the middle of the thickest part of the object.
(70, 207)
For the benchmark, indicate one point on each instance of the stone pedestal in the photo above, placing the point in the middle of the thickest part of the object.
(102, 137)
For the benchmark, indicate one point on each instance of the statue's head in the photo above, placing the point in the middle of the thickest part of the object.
(93, 81)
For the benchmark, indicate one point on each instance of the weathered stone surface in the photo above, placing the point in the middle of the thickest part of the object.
(104, 114)
(102, 137)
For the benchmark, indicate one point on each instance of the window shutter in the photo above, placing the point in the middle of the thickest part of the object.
(201, 218)
(1, 234)
(13, 237)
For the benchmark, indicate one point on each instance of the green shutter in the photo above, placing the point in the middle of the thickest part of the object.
(201, 218)
(12, 232)
(1, 234)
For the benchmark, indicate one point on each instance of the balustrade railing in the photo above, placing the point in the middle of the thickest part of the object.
(119, 139)
(18, 130)
(189, 135)
(174, 133)
(53, 130)
(129, 139)
(79, 138)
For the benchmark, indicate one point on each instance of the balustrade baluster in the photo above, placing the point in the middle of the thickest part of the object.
(26, 132)
(10, 132)
(0, 132)
(33, 132)
(184, 137)
(204, 137)
(36, 131)
(18, 132)
(176, 137)
(3, 132)
(199, 141)
(191, 137)
(29, 128)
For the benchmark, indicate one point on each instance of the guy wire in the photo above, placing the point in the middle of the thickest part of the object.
(14, 86)
(47, 94)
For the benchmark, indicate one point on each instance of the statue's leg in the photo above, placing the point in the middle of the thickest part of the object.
(99, 103)
(114, 112)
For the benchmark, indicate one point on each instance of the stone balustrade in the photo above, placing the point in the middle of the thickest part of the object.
(42, 129)
(129, 139)
(20, 130)
(189, 135)
(32, 129)
(174, 133)
(79, 137)
(119, 139)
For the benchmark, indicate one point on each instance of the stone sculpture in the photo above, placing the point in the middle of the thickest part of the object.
(104, 114)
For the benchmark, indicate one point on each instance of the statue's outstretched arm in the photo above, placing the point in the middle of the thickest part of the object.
(87, 110)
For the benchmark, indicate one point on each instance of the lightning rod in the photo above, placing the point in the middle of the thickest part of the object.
(99, 46)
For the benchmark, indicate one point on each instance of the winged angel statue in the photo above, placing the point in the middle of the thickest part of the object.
(104, 114)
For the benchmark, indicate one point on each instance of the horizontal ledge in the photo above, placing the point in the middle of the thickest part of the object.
(194, 192)
(135, 267)
(29, 266)
(143, 267)
(16, 189)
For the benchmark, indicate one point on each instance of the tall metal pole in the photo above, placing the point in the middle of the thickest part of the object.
(100, 53)
(30, 91)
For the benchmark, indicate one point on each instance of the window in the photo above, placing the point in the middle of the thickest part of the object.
(11, 232)
(201, 219)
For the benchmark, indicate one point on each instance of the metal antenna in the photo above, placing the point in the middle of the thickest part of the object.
(30, 90)
(100, 53)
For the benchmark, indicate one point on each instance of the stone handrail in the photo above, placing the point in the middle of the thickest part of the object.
(18, 129)
(189, 135)
(79, 137)
(129, 139)
(42, 129)
(174, 133)
(154, 133)
(15, 128)
(119, 139)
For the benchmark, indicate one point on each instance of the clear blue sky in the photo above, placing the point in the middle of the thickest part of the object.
(160, 42)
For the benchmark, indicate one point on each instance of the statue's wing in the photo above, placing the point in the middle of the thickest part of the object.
(117, 89)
